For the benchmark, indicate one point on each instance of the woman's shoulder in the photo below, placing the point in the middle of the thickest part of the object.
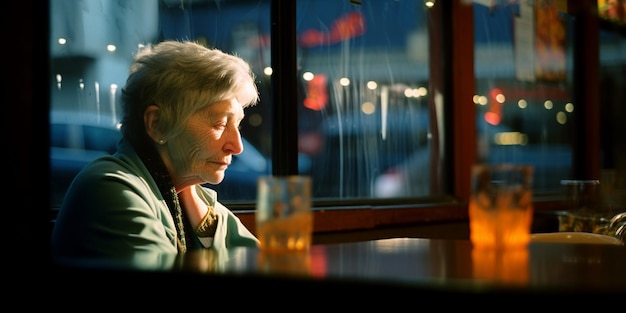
(124, 163)
(113, 174)
(113, 165)
(109, 187)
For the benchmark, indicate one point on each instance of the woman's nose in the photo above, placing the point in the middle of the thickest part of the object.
(233, 144)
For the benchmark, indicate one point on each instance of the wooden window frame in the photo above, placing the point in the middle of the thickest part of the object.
(451, 49)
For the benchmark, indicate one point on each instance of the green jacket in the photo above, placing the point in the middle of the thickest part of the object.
(114, 210)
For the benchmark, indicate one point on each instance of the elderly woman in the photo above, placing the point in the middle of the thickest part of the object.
(182, 106)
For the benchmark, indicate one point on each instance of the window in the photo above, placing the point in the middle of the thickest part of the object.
(537, 64)
(524, 101)
(364, 125)
(393, 100)
(362, 78)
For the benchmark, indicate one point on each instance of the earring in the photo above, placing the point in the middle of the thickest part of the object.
(161, 141)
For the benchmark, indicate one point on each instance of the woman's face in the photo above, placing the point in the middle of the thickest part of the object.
(203, 151)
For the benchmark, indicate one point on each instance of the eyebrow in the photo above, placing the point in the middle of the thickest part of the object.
(230, 115)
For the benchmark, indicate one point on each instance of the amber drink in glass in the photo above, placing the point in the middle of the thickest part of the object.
(284, 220)
(500, 206)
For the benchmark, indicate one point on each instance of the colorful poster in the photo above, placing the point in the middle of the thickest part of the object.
(550, 41)
(612, 10)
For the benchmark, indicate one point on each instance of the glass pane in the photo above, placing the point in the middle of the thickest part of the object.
(363, 116)
(613, 109)
(363, 124)
(92, 43)
(524, 96)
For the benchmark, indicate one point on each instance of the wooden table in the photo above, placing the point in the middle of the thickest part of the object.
(397, 266)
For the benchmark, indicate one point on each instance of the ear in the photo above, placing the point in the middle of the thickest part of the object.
(151, 121)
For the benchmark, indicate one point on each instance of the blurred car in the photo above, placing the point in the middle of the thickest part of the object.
(359, 147)
(78, 138)
(551, 163)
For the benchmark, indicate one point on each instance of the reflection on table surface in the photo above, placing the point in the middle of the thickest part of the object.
(414, 262)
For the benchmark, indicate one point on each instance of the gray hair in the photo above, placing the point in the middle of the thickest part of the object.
(181, 78)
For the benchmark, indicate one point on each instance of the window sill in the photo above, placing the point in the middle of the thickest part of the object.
(402, 219)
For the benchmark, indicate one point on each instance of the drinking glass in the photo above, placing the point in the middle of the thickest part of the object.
(500, 208)
(284, 220)
(582, 207)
